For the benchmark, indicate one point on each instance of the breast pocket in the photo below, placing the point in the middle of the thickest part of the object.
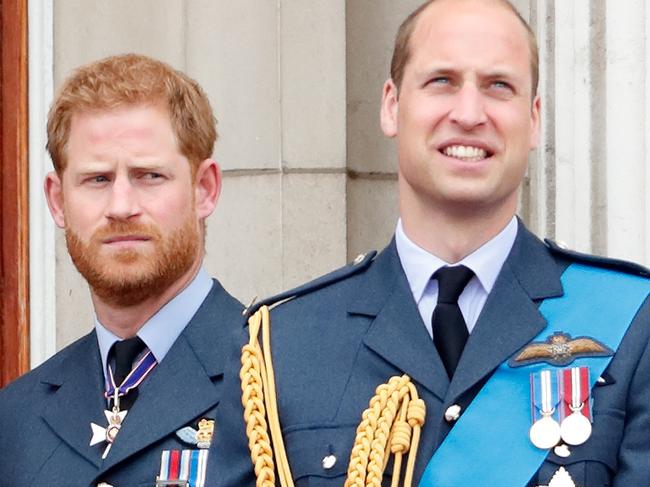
(319, 455)
(594, 463)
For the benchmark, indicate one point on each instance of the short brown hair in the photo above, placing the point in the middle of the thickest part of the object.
(402, 52)
(131, 79)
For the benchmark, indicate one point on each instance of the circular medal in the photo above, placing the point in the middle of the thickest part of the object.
(545, 433)
(575, 429)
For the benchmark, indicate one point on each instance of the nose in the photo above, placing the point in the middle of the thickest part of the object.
(123, 203)
(469, 107)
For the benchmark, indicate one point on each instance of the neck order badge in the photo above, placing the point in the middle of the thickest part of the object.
(116, 416)
(596, 302)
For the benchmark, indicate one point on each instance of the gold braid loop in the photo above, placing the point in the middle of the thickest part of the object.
(416, 413)
(379, 452)
(362, 449)
(254, 416)
(401, 440)
(391, 424)
(260, 405)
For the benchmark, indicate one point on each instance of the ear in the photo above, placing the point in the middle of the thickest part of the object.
(389, 109)
(207, 187)
(54, 196)
(535, 122)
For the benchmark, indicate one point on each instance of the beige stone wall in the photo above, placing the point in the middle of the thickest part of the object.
(309, 181)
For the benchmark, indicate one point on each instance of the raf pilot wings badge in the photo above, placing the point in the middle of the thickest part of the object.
(560, 349)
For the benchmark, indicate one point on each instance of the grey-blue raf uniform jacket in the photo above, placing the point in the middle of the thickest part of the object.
(45, 415)
(342, 335)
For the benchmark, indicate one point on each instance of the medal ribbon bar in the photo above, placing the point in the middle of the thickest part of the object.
(183, 468)
(576, 391)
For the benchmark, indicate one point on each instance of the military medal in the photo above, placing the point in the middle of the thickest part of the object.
(545, 431)
(115, 416)
(575, 428)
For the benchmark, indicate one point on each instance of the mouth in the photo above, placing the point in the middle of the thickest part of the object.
(466, 153)
(125, 239)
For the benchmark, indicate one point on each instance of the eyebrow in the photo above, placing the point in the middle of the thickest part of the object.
(88, 168)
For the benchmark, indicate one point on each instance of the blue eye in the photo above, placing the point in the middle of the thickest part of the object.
(440, 80)
(501, 85)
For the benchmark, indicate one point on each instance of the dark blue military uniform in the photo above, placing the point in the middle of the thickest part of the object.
(342, 335)
(45, 415)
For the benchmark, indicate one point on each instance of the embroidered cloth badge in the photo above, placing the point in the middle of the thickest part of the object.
(560, 349)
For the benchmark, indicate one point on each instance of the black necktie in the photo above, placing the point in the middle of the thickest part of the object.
(124, 353)
(447, 323)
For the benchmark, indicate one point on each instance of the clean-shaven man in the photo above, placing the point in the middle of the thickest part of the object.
(532, 362)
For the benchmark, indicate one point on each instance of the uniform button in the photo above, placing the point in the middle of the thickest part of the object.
(562, 244)
(328, 462)
(245, 312)
(452, 413)
(562, 451)
(359, 259)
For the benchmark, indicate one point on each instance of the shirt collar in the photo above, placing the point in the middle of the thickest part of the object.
(486, 261)
(161, 330)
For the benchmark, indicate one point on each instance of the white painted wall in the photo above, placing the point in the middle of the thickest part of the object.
(309, 180)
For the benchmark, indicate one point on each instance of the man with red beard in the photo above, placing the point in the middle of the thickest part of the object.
(131, 141)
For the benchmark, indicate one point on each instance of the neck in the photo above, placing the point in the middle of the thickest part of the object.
(452, 235)
(126, 321)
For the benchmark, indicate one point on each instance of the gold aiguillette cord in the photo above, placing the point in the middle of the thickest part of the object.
(391, 424)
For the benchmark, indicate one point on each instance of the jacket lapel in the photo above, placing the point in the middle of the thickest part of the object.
(510, 317)
(397, 333)
(182, 387)
(77, 398)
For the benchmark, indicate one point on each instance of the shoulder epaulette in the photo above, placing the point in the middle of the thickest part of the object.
(360, 263)
(597, 260)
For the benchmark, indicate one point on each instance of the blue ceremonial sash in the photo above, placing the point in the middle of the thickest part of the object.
(489, 445)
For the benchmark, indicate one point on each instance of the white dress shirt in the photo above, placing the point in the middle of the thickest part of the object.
(486, 263)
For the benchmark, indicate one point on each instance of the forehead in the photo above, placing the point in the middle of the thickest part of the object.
(132, 122)
(470, 31)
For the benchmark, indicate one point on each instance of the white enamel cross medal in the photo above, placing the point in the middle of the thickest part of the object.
(108, 434)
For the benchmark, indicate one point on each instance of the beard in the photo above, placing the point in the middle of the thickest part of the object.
(126, 277)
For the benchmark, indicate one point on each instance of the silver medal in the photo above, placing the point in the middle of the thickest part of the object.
(575, 429)
(545, 433)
